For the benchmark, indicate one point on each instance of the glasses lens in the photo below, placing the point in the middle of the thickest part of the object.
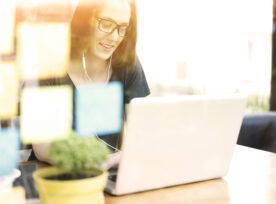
(109, 26)
(106, 26)
(123, 30)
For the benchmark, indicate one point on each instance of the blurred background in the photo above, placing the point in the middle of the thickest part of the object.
(185, 47)
(200, 47)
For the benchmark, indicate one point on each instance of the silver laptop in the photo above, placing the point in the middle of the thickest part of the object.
(177, 140)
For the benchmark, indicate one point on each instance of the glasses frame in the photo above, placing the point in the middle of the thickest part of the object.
(117, 27)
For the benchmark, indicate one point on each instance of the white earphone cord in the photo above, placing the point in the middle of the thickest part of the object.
(108, 72)
(114, 148)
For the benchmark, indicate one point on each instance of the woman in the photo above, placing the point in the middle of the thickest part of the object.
(103, 44)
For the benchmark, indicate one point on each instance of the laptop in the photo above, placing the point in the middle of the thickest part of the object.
(176, 140)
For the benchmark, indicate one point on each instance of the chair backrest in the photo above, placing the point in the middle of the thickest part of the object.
(258, 130)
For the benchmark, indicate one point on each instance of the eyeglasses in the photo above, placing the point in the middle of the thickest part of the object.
(108, 26)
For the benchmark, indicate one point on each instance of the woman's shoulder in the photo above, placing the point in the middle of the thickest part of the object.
(131, 71)
(135, 82)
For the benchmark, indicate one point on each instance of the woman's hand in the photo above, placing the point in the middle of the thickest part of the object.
(112, 160)
(40, 151)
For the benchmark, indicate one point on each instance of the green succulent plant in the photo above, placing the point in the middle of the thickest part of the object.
(76, 155)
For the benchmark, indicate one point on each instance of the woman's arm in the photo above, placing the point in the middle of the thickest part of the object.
(112, 160)
(40, 151)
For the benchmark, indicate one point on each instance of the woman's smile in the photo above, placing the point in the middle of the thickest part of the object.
(107, 46)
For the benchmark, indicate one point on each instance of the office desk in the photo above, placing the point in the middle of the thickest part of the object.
(251, 179)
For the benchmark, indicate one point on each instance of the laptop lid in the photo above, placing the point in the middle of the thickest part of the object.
(177, 140)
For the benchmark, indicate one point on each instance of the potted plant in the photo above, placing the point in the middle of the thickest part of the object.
(76, 176)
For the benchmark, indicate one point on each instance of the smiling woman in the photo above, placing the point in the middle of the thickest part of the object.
(102, 32)
(103, 46)
(103, 49)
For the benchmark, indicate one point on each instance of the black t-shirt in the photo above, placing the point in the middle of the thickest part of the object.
(132, 78)
(134, 85)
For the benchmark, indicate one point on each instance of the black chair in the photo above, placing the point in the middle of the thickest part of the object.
(258, 130)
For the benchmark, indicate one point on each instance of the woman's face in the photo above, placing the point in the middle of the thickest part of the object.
(104, 44)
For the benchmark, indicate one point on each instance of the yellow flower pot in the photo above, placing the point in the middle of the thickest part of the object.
(81, 191)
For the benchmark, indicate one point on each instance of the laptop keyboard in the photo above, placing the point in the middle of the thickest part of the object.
(112, 177)
(112, 174)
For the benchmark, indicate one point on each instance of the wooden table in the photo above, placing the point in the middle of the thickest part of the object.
(251, 179)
